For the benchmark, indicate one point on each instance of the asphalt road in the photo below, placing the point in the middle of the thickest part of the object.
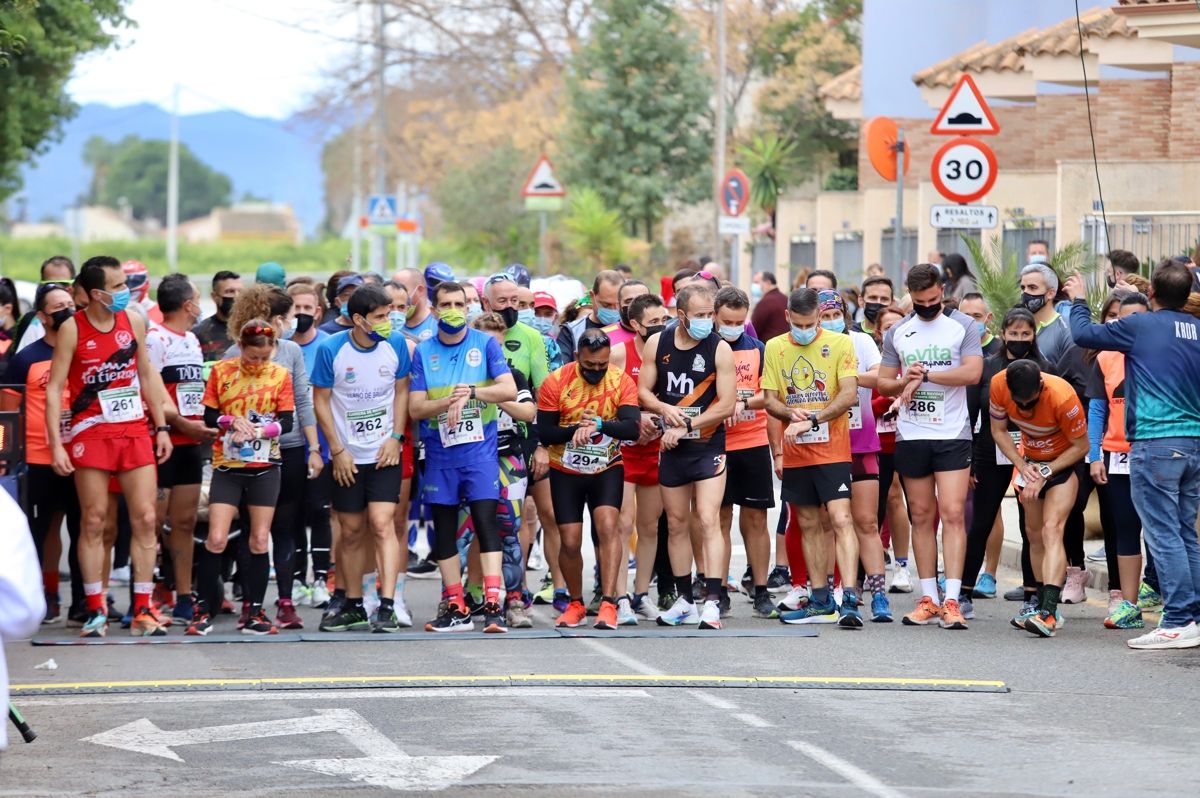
(1081, 714)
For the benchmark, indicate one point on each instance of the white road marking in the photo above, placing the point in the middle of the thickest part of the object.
(750, 719)
(373, 694)
(852, 773)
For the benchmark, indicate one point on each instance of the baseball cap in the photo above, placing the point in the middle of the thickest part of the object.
(542, 299)
(350, 280)
(271, 272)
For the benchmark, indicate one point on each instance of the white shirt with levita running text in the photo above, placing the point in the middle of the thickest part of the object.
(937, 412)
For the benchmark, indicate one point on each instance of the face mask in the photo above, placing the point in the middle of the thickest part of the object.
(304, 322)
(452, 321)
(756, 292)
(474, 311)
(288, 331)
(526, 316)
(346, 310)
(653, 329)
(871, 311)
(226, 306)
(804, 337)
(59, 317)
(120, 300)
(732, 332)
(607, 316)
(396, 317)
(700, 329)
(982, 329)
(1112, 281)
(543, 324)
(1019, 349)
(834, 325)
(381, 331)
(1038, 259)
(509, 315)
(412, 309)
(253, 371)
(927, 312)
(592, 376)
(1033, 303)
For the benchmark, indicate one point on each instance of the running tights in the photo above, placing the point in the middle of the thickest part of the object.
(445, 528)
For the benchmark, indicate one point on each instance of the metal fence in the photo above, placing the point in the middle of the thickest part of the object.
(908, 253)
(802, 253)
(1151, 236)
(1019, 232)
(847, 257)
(762, 257)
(950, 240)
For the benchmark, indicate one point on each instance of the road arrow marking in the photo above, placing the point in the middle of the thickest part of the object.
(384, 765)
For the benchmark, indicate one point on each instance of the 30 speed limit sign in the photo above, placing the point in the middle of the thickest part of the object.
(964, 170)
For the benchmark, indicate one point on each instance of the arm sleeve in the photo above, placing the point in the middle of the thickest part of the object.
(549, 432)
(1097, 423)
(1117, 337)
(626, 427)
(211, 414)
(286, 419)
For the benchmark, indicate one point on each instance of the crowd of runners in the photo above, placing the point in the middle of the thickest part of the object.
(309, 433)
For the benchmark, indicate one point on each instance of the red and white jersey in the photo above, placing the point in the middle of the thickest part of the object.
(102, 385)
(177, 357)
(633, 367)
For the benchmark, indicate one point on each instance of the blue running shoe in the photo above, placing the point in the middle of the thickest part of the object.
(881, 608)
(561, 600)
(811, 612)
(967, 607)
(985, 586)
(849, 616)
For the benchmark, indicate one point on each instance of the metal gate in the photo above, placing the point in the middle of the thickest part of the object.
(847, 257)
(908, 253)
(950, 240)
(802, 253)
(1020, 231)
(1151, 236)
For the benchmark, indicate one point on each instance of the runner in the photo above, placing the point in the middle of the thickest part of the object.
(249, 398)
(213, 332)
(100, 365)
(361, 394)
(174, 352)
(459, 376)
(939, 352)
(894, 528)
(56, 270)
(810, 382)
(877, 294)
(340, 321)
(751, 443)
(974, 305)
(604, 310)
(641, 505)
(584, 409)
(691, 383)
(623, 331)
(1053, 438)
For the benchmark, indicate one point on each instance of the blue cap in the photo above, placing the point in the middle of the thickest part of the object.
(518, 273)
(271, 272)
(348, 281)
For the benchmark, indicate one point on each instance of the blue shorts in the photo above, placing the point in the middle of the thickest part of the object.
(465, 483)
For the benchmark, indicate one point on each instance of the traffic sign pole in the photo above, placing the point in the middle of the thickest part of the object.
(897, 241)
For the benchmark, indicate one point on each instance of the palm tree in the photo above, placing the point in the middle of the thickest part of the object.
(594, 232)
(770, 165)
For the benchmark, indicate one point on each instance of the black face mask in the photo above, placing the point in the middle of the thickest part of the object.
(1112, 281)
(59, 317)
(226, 305)
(304, 322)
(871, 311)
(593, 376)
(1032, 303)
(1019, 349)
(927, 312)
(509, 315)
(653, 329)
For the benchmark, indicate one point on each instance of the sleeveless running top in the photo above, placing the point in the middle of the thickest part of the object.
(633, 367)
(102, 385)
(687, 378)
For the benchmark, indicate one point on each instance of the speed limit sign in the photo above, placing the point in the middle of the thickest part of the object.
(964, 170)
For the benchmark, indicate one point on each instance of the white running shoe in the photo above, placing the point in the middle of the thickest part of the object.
(792, 601)
(645, 608)
(1077, 580)
(901, 581)
(710, 615)
(320, 594)
(370, 601)
(403, 616)
(119, 576)
(682, 613)
(1175, 637)
(301, 594)
(625, 613)
(537, 559)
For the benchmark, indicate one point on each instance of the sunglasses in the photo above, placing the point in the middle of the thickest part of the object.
(258, 329)
(707, 276)
(500, 277)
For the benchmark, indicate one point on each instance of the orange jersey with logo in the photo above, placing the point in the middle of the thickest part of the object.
(1048, 429)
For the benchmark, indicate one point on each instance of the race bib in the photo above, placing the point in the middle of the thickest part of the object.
(190, 396)
(885, 426)
(504, 422)
(928, 406)
(119, 405)
(818, 435)
(1016, 439)
(367, 426)
(591, 458)
(856, 416)
(745, 395)
(1118, 463)
(255, 451)
(692, 413)
(468, 430)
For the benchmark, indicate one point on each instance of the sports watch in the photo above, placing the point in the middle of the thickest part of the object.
(1045, 471)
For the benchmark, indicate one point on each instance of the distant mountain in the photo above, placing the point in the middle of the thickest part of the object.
(278, 160)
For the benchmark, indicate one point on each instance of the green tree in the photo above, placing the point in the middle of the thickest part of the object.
(483, 210)
(40, 43)
(594, 232)
(640, 131)
(138, 173)
(769, 163)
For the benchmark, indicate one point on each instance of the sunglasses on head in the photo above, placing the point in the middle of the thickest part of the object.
(258, 329)
(500, 277)
(707, 276)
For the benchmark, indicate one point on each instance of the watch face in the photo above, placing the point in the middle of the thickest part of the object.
(1045, 471)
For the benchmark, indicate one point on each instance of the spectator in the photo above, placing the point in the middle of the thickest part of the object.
(770, 314)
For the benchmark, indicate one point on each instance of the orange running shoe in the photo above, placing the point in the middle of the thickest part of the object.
(606, 618)
(925, 613)
(574, 615)
(162, 596)
(952, 617)
(147, 624)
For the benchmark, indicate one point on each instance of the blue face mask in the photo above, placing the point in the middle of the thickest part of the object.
(346, 310)
(733, 332)
(120, 300)
(804, 337)
(982, 329)
(526, 316)
(607, 316)
(543, 324)
(1038, 259)
(834, 325)
(474, 311)
(756, 291)
(700, 329)
(396, 317)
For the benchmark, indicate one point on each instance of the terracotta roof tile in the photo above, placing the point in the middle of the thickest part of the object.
(846, 86)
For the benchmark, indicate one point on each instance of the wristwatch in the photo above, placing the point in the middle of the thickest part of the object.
(1045, 471)
(472, 393)
(687, 420)
(162, 429)
(816, 425)
(399, 436)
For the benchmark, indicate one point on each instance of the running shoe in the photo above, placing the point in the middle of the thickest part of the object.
(474, 596)
(335, 605)
(748, 581)
(967, 607)
(625, 614)
(348, 619)
(710, 615)
(952, 615)
(147, 623)
(286, 616)
(1148, 597)
(1043, 624)
(643, 606)
(925, 613)
(244, 617)
(1016, 594)
(260, 625)
(1115, 597)
(545, 593)
(1175, 637)
(881, 608)
(301, 593)
(780, 580)
(849, 616)
(985, 586)
(1099, 555)
(96, 625)
(319, 594)
(764, 607)
(681, 613)
(606, 617)
(901, 581)
(383, 621)
(403, 616)
(724, 604)
(53, 609)
(811, 612)
(1125, 616)
(667, 600)
(561, 600)
(593, 607)
(452, 617)
(200, 626)
(424, 569)
(119, 576)
(184, 609)
(519, 616)
(536, 560)
(1073, 591)
(574, 616)
(1028, 609)
(794, 600)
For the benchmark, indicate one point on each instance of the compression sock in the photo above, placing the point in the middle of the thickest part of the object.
(492, 590)
(876, 583)
(454, 594)
(683, 586)
(257, 577)
(93, 593)
(1051, 594)
(712, 589)
(141, 596)
(208, 581)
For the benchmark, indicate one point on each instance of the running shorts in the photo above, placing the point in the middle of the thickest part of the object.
(185, 466)
(812, 486)
(467, 483)
(114, 455)
(676, 468)
(371, 484)
(751, 480)
(640, 468)
(864, 467)
(918, 459)
(570, 492)
(255, 487)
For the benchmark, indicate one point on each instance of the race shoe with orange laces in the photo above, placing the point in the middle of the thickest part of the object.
(952, 616)
(573, 616)
(259, 624)
(452, 617)
(925, 613)
(1044, 624)
(493, 618)
(147, 623)
(606, 618)
(200, 626)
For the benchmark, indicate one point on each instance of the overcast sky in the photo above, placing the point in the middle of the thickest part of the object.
(263, 57)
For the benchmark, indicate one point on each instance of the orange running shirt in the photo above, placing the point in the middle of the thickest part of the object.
(1056, 420)
(260, 398)
(575, 399)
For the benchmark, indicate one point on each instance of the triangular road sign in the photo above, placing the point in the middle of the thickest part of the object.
(542, 181)
(965, 112)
